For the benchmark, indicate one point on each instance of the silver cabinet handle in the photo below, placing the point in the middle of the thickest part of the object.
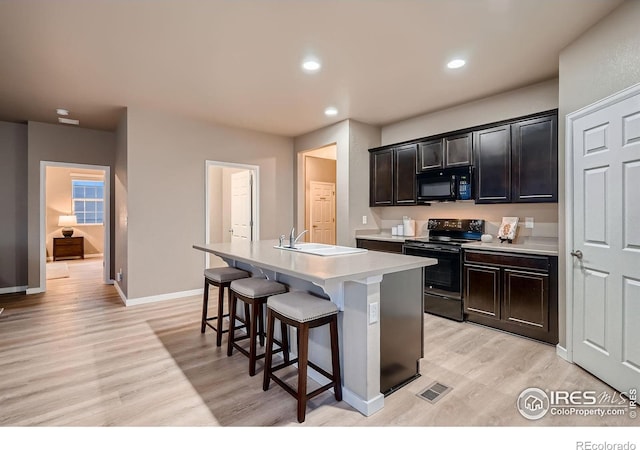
(577, 254)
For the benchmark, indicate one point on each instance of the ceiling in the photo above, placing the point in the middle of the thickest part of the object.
(238, 62)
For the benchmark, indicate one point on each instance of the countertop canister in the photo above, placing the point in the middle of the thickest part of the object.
(409, 226)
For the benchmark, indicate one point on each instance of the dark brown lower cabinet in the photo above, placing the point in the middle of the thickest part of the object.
(379, 246)
(512, 292)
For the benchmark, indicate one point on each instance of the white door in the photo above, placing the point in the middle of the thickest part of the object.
(605, 143)
(241, 220)
(323, 212)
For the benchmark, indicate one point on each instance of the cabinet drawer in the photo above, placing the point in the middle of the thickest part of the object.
(379, 246)
(66, 247)
(510, 260)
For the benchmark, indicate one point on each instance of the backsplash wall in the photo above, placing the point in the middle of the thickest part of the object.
(545, 216)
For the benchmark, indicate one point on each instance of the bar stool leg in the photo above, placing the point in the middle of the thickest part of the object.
(205, 304)
(232, 323)
(260, 324)
(252, 338)
(268, 354)
(284, 338)
(247, 316)
(335, 358)
(220, 314)
(303, 355)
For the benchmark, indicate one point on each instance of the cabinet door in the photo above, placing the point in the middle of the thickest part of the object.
(534, 153)
(381, 178)
(430, 155)
(457, 150)
(482, 291)
(492, 156)
(405, 175)
(526, 299)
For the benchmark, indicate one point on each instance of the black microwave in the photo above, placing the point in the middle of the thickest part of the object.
(442, 185)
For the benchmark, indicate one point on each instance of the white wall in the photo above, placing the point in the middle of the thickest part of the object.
(120, 211)
(519, 102)
(352, 140)
(337, 134)
(601, 62)
(60, 143)
(166, 194)
(13, 204)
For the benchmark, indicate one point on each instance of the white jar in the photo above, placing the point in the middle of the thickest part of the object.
(400, 230)
(394, 231)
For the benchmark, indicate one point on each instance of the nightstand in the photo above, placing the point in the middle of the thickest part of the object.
(67, 247)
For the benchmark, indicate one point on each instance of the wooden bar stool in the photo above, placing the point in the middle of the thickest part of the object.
(253, 292)
(221, 277)
(303, 311)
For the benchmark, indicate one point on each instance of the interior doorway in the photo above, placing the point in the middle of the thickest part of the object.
(319, 167)
(74, 219)
(603, 271)
(231, 205)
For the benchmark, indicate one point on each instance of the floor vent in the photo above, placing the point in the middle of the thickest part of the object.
(434, 392)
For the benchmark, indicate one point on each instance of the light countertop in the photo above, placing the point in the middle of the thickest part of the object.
(385, 237)
(314, 268)
(549, 248)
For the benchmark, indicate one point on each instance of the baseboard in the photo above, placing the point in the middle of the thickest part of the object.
(13, 289)
(121, 294)
(161, 297)
(37, 290)
(562, 352)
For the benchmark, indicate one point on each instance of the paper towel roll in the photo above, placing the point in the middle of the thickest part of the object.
(409, 227)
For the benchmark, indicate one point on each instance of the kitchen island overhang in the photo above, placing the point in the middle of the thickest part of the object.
(352, 282)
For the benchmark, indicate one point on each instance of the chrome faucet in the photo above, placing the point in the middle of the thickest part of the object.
(293, 238)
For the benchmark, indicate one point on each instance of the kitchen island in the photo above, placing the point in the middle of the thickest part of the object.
(368, 288)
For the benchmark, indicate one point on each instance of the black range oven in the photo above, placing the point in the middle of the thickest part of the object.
(443, 281)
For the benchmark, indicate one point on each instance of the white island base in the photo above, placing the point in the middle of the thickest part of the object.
(353, 283)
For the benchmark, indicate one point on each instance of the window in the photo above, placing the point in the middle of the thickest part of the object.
(88, 201)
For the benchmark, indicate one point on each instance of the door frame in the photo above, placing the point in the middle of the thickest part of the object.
(569, 220)
(255, 200)
(106, 254)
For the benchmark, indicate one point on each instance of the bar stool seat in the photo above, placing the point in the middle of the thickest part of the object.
(253, 292)
(221, 277)
(303, 311)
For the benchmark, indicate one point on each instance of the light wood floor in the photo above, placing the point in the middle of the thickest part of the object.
(76, 356)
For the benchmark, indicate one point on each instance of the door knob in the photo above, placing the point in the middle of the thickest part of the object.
(577, 254)
(230, 230)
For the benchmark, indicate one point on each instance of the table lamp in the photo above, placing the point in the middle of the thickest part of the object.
(67, 222)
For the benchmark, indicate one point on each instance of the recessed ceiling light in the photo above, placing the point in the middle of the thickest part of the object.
(68, 121)
(330, 111)
(62, 112)
(456, 63)
(311, 65)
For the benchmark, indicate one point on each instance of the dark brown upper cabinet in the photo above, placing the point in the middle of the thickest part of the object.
(517, 162)
(381, 174)
(430, 155)
(392, 174)
(492, 174)
(458, 150)
(449, 151)
(404, 192)
(534, 160)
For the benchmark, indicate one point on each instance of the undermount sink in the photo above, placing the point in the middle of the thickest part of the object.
(321, 249)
